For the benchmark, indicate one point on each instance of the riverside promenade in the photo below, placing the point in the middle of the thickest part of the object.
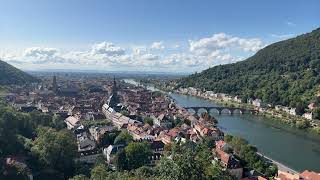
(281, 166)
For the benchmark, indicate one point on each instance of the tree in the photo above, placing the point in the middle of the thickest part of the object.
(188, 167)
(121, 160)
(99, 172)
(123, 138)
(55, 149)
(145, 171)
(107, 138)
(167, 169)
(79, 177)
(215, 172)
(148, 120)
(137, 154)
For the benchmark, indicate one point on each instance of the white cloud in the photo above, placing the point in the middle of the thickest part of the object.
(38, 52)
(222, 41)
(107, 49)
(193, 55)
(157, 45)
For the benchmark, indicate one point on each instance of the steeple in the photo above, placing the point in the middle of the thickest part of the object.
(54, 84)
(113, 99)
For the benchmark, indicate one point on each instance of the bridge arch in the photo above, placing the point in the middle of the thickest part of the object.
(214, 111)
(225, 111)
(192, 111)
(202, 110)
(237, 111)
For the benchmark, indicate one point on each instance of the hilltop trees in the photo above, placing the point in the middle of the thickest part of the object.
(137, 154)
(123, 138)
(284, 73)
(55, 149)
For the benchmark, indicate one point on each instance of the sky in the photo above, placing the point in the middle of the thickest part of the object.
(146, 35)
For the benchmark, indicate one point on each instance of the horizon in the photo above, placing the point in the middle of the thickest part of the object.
(143, 36)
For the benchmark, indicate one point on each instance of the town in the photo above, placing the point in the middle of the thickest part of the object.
(95, 108)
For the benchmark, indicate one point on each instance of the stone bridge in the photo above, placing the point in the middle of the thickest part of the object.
(222, 110)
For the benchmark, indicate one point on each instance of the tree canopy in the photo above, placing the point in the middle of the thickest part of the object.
(283, 73)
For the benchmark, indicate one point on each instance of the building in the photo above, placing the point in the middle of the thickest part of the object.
(54, 84)
(308, 116)
(97, 132)
(257, 103)
(85, 144)
(163, 121)
(312, 106)
(72, 122)
(310, 175)
(110, 152)
(114, 99)
(230, 163)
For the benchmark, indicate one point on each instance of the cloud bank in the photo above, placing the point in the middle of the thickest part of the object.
(192, 56)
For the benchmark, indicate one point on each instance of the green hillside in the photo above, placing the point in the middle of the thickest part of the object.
(11, 75)
(286, 73)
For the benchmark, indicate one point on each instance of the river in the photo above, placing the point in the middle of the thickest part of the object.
(294, 148)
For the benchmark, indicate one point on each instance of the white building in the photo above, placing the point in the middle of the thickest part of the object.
(163, 121)
(257, 102)
(308, 115)
(72, 122)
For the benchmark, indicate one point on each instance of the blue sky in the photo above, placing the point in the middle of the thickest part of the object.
(146, 35)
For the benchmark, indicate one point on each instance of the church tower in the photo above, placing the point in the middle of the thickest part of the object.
(113, 99)
(54, 84)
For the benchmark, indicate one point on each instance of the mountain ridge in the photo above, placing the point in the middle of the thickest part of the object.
(11, 75)
(286, 73)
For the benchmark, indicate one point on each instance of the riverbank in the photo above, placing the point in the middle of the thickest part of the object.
(285, 118)
(294, 148)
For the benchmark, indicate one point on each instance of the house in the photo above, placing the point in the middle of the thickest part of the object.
(312, 106)
(287, 176)
(237, 99)
(157, 146)
(96, 132)
(19, 163)
(310, 175)
(110, 152)
(72, 122)
(293, 111)
(230, 163)
(257, 103)
(85, 143)
(308, 116)
(163, 121)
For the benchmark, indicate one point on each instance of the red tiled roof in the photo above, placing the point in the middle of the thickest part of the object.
(312, 105)
(223, 156)
(310, 175)
(220, 144)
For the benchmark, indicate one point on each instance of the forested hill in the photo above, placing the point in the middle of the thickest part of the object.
(286, 72)
(12, 75)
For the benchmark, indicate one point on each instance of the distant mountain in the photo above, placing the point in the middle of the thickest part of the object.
(11, 75)
(286, 72)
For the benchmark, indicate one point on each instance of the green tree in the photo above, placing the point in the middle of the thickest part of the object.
(123, 138)
(137, 154)
(167, 169)
(99, 172)
(148, 120)
(107, 138)
(55, 149)
(79, 177)
(121, 160)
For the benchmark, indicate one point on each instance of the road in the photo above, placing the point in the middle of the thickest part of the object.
(281, 167)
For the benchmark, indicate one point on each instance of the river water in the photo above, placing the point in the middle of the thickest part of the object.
(294, 148)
